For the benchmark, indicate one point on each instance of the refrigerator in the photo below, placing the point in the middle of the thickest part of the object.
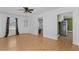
(63, 28)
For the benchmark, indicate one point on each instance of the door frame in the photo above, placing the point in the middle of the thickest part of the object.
(66, 29)
(7, 26)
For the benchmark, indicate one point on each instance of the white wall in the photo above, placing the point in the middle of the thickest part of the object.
(2, 24)
(50, 23)
(33, 24)
(76, 26)
(23, 28)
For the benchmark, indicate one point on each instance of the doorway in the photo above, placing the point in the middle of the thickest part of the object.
(11, 26)
(65, 26)
(40, 29)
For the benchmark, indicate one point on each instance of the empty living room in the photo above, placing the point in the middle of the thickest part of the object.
(39, 29)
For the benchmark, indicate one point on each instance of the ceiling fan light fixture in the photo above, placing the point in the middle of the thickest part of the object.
(27, 10)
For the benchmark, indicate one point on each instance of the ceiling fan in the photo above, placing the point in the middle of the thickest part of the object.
(26, 10)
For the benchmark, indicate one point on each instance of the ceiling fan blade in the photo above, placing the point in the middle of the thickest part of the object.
(31, 9)
(30, 12)
(26, 10)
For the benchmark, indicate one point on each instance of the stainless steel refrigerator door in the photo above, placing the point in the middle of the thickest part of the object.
(63, 28)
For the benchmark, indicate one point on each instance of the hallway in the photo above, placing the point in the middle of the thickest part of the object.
(28, 42)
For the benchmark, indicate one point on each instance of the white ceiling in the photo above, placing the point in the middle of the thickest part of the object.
(15, 10)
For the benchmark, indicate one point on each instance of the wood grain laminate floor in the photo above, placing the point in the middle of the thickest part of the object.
(30, 42)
